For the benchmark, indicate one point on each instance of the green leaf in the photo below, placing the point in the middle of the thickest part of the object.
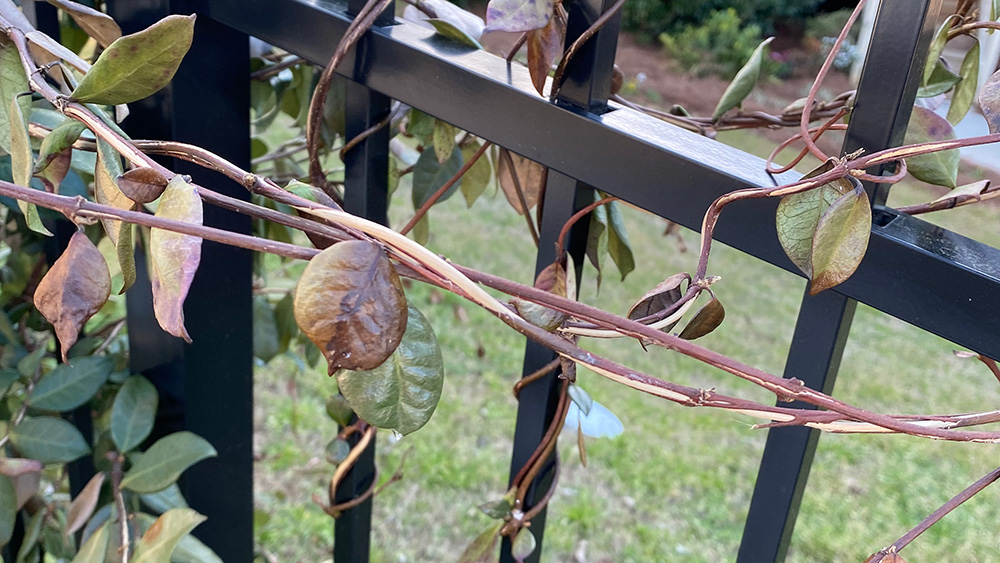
(476, 179)
(133, 413)
(497, 509)
(707, 319)
(989, 102)
(162, 501)
(841, 240)
(8, 509)
(337, 451)
(939, 168)
(403, 392)
(58, 141)
(138, 65)
(165, 460)
(798, 214)
(941, 80)
(159, 541)
(524, 544)
(994, 12)
(31, 534)
(965, 92)
(581, 398)
(71, 385)
(429, 175)
(449, 30)
(106, 191)
(597, 237)
(191, 550)
(420, 124)
(481, 548)
(22, 164)
(13, 82)
(518, 15)
(174, 257)
(422, 230)
(618, 244)
(95, 548)
(49, 440)
(444, 140)
(265, 330)
(339, 410)
(937, 47)
(743, 83)
(126, 256)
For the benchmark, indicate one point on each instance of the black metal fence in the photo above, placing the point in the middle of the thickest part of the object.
(588, 144)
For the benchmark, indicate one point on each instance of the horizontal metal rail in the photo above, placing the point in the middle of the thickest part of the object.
(925, 275)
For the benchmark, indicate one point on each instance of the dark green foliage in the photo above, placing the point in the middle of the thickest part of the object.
(649, 18)
(719, 46)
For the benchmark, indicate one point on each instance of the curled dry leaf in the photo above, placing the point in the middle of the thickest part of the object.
(553, 279)
(95, 23)
(665, 294)
(707, 319)
(529, 177)
(174, 257)
(544, 47)
(350, 303)
(841, 240)
(73, 289)
(142, 185)
(989, 102)
(83, 505)
(518, 15)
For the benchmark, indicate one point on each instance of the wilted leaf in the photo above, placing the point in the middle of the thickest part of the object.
(965, 92)
(25, 474)
(71, 384)
(448, 30)
(49, 440)
(661, 297)
(13, 82)
(798, 214)
(25, 487)
(337, 451)
(84, 504)
(941, 80)
(31, 533)
(444, 141)
(743, 83)
(429, 175)
(481, 548)
(476, 179)
(133, 413)
(975, 191)
(76, 286)
(524, 544)
(137, 65)
(142, 185)
(581, 398)
(529, 175)
(339, 410)
(95, 548)
(552, 279)
(545, 45)
(989, 102)
(597, 237)
(598, 423)
(159, 541)
(496, 509)
(174, 257)
(58, 142)
(939, 168)
(22, 163)
(350, 303)
(707, 319)
(106, 191)
(15, 467)
(8, 512)
(936, 48)
(126, 256)
(618, 244)
(518, 15)
(165, 460)
(841, 240)
(581, 444)
(96, 24)
(403, 392)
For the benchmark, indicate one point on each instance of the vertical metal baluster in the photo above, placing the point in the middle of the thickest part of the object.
(885, 97)
(206, 387)
(366, 194)
(586, 87)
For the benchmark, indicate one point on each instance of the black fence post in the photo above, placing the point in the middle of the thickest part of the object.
(206, 387)
(886, 92)
(366, 193)
(586, 88)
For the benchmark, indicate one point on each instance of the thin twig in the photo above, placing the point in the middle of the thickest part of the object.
(348, 463)
(560, 246)
(517, 46)
(557, 77)
(534, 376)
(117, 460)
(426, 206)
(268, 72)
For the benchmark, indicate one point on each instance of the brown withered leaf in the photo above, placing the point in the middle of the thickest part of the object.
(174, 257)
(95, 23)
(73, 289)
(544, 47)
(350, 303)
(708, 318)
(142, 185)
(665, 294)
(552, 279)
(83, 505)
(53, 174)
(529, 175)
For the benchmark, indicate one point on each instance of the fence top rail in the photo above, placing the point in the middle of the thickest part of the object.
(935, 279)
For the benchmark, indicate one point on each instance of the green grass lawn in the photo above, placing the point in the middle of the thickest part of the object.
(677, 484)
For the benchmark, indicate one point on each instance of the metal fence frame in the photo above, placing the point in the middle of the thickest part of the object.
(588, 144)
